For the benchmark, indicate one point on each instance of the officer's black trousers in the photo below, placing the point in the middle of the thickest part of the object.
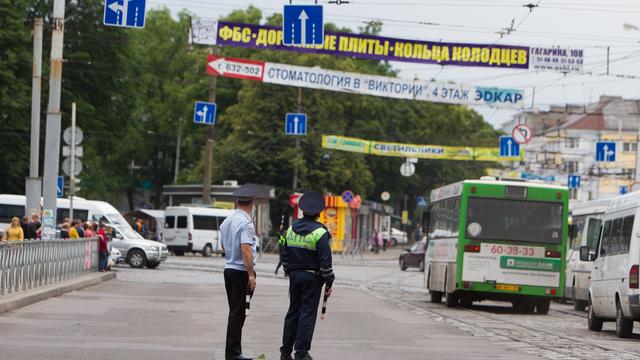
(304, 293)
(235, 282)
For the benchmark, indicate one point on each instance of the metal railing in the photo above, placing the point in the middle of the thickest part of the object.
(33, 263)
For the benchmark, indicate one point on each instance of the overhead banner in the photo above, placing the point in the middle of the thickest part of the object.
(564, 60)
(384, 86)
(415, 151)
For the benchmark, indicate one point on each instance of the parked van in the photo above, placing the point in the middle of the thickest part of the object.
(96, 211)
(614, 293)
(193, 229)
(583, 231)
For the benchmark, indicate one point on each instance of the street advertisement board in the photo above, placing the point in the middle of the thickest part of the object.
(416, 151)
(511, 264)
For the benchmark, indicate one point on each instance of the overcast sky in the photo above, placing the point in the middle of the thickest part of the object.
(590, 25)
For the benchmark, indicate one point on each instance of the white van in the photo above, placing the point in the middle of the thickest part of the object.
(614, 293)
(193, 229)
(96, 211)
(584, 231)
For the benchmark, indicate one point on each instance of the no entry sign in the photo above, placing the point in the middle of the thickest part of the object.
(522, 134)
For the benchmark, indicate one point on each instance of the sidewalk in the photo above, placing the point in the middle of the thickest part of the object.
(180, 321)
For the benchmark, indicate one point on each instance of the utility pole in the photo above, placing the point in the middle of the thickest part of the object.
(177, 167)
(72, 158)
(33, 186)
(208, 155)
(295, 171)
(52, 140)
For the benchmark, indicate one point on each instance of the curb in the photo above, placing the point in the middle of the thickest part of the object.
(21, 299)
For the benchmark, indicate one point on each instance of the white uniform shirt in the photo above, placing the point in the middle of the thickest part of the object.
(235, 230)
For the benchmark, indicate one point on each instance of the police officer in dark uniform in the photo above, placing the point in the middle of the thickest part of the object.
(307, 259)
(281, 241)
(237, 234)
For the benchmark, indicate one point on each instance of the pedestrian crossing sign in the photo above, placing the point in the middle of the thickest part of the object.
(423, 202)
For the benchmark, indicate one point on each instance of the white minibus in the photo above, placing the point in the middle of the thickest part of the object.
(614, 293)
(584, 231)
(92, 210)
(193, 229)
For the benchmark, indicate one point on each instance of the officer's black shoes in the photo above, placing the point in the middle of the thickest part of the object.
(288, 357)
(239, 357)
(308, 357)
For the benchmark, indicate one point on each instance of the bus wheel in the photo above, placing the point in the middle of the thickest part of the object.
(436, 297)
(452, 299)
(542, 308)
(594, 322)
(624, 326)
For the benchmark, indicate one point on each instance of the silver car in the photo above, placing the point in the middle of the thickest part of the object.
(136, 250)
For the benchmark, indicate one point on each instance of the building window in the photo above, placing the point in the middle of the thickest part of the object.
(571, 143)
(630, 147)
(571, 167)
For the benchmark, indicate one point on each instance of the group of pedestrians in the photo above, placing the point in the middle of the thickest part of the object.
(141, 226)
(77, 229)
(18, 231)
(377, 241)
(306, 258)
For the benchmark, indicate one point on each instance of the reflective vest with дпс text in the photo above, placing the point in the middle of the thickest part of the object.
(308, 241)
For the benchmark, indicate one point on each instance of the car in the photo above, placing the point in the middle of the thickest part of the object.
(413, 256)
(116, 256)
(136, 250)
(397, 237)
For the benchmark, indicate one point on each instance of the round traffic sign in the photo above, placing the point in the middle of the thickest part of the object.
(77, 166)
(347, 196)
(634, 187)
(522, 133)
(407, 169)
(67, 136)
(385, 196)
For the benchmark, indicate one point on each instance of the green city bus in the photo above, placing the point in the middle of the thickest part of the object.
(501, 240)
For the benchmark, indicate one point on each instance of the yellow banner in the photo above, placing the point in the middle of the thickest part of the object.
(436, 152)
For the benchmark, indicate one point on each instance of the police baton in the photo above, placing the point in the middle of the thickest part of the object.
(248, 301)
(324, 305)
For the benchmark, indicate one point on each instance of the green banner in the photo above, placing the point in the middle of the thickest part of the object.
(533, 264)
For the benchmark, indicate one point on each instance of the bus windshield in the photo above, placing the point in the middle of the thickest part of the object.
(514, 220)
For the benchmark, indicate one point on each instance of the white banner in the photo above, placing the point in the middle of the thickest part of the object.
(203, 32)
(556, 59)
(317, 78)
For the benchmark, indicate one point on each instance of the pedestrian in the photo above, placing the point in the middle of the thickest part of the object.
(73, 231)
(102, 250)
(307, 260)
(14, 231)
(375, 241)
(237, 234)
(417, 233)
(281, 241)
(385, 243)
(34, 228)
(25, 226)
(144, 229)
(88, 230)
(79, 228)
(64, 232)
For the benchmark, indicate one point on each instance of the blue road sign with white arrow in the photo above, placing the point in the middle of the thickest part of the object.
(296, 124)
(508, 147)
(205, 113)
(573, 181)
(60, 185)
(624, 190)
(423, 202)
(302, 25)
(606, 151)
(124, 13)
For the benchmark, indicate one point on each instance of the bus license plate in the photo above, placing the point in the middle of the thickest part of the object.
(508, 287)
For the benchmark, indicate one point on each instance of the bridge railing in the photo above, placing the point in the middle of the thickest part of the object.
(32, 263)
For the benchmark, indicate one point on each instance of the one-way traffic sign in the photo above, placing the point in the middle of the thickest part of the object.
(296, 124)
(302, 25)
(508, 147)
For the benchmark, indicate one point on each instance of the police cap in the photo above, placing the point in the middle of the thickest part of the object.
(311, 203)
(247, 192)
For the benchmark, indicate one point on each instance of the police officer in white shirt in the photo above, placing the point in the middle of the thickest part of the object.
(237, 234)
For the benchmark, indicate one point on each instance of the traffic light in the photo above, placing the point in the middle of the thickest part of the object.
(76, 186)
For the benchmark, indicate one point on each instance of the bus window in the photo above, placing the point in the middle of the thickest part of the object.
(625, 239)
(8, 212)
(77, 214)
(614, 241)
(604, 247)
(169, 222)
(455, 225)
(578, 225)
(202, 222)
(593, 233)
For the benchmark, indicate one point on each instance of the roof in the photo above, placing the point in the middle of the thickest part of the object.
(609, 114)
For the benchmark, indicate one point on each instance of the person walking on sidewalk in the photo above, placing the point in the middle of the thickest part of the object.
(307, 260)
(102, 240)
(375, 241)
(237, 234)
(281, 241)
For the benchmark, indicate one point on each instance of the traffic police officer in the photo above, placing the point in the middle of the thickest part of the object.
(237, 235)
(307, 260)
